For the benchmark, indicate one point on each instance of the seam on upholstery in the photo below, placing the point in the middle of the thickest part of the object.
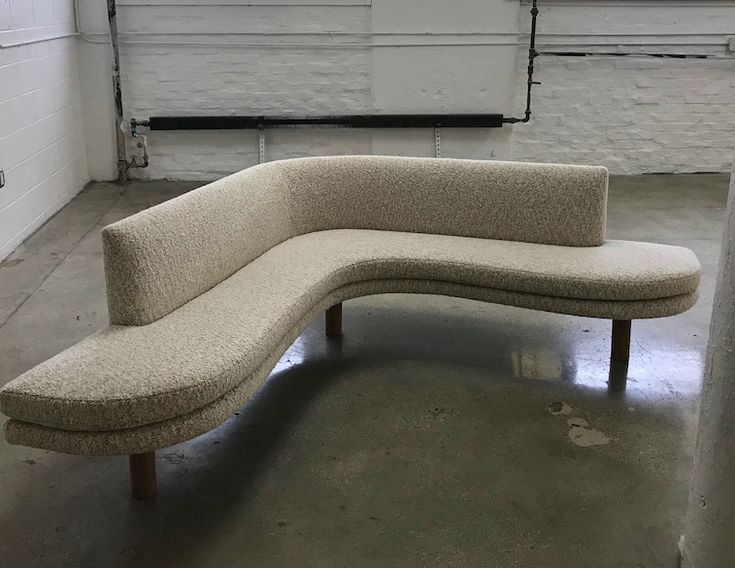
(518, 272)
(345, 269)
(511, 272)
(250, 376)
(402, 279)
(151, 398)
(173, 392)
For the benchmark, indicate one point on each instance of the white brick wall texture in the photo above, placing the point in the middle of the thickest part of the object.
(162, 75)
(164, 79)
(209, 81)
(632, 114)
(42, 148)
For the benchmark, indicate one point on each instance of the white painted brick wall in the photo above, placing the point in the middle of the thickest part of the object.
(182, 80)
(162, 77)
(42, 147)
(198, 79)
(211, 81)
(633, 115)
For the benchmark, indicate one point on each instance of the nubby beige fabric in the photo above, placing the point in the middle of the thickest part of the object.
(163, 257)
(127, 376)
(208, 290)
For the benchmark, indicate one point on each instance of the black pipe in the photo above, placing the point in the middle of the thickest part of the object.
(353, 121)
(626, 54)
(532, 54)
(345, 121)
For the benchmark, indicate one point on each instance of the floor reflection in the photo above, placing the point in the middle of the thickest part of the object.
(541, 364)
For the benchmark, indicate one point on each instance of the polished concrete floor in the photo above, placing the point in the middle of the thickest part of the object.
(438, 432)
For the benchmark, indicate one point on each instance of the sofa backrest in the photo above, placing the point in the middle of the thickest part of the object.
(159, 259)
(536, 203)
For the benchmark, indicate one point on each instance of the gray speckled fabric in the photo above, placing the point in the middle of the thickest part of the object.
(128, 376)
(207, 290)
(163, 257)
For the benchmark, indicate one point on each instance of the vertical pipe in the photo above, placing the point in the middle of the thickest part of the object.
(122, 160)
(531, 57)
(532, 54)
(710, 521)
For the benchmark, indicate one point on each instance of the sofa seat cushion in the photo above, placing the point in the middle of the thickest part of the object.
(127, 377)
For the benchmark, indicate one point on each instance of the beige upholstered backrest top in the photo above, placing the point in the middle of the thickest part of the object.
(163, 257)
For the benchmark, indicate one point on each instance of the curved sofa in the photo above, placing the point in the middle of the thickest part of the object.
(208, 290)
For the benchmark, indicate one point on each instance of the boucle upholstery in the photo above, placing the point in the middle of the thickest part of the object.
(127, 376)
(186, 426)
(213, 287)
(159, 259)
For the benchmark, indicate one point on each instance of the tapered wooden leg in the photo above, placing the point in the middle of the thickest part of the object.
(619, 356)
(620, 341)
(334, 320)
(142, 475)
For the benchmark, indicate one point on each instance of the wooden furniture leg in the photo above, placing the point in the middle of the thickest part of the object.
(620, 341)
(142, 475)
(334, 320)
(619, 356)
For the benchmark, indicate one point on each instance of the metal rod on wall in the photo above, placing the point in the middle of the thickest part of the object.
(344, 121)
